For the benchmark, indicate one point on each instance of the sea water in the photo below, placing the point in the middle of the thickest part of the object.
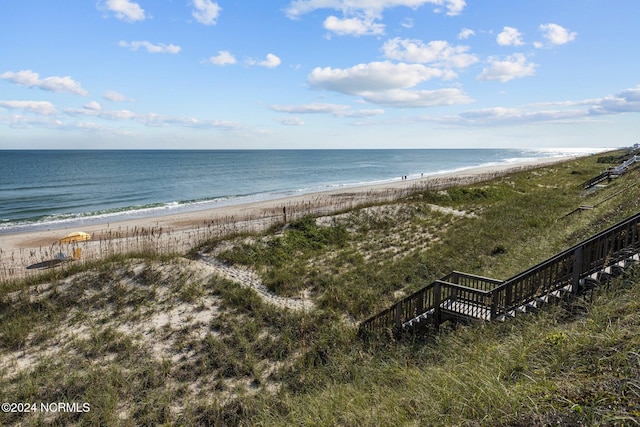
(42, 189)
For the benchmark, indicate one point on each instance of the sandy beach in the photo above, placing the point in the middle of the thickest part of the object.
(25, 252)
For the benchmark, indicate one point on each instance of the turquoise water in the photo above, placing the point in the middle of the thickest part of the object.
(46, 189)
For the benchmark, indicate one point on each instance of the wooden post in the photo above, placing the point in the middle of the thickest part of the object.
(494, 305)
(284, 213)
(577, 270)
(437, 297)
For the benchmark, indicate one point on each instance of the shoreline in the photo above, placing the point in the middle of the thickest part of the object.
(179, 232)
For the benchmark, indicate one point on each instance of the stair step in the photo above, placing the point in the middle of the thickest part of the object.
(532, 305)
(418, 320)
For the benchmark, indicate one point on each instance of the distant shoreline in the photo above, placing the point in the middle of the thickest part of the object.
(62, 215)
(182, 231)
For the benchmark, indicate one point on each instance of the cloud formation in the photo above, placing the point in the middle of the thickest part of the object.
(335, 110)
(149, 119)
(29, 78)
(271, 61)
(93, 105)
(290, 121)
(556, 34)
(438, 52)
(386, 83)
(374, 76)
(353, 26)
(44, 108)
(222, 58)
(510, 37)
(124, 10)
(400, 98)
(114, 96)
(626, 101)
(465, 33)
(512, 67)
(206, 12)
(359, 16)
(623, 102)
(150, 47)
(298, 8)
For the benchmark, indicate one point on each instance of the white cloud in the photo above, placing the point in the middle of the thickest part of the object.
(503, 116)
(510, 37)
(51, 119)
(100, 113)
(623, 102)
(152, 119)
(374, 76)
(44, 108)
(454, 7)
(626, 101)
(353, 26)
(124, 10)
(407, 23)
(514, 66)
(114, 96)
(438, 52)
(465, 33)
(26, 122)
(55, 84)
(223, 58)
(369, 8)
(271, 61)
(385, 83)
(290, 121)
(402, 98)
(333, 109)
(150, 47)
(160, 120)
(357, 114)
(206, 12)
(336, 110)
(556, 35)
(93, 105)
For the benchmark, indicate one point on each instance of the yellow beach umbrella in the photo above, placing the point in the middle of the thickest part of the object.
(76, 236)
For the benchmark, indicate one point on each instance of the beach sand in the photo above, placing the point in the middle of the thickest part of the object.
(24, 252)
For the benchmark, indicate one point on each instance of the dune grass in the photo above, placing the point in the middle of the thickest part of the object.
(153, 340)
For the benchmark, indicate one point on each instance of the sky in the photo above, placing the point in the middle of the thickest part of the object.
(232, 74)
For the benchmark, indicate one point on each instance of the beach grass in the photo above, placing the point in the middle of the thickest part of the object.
(152, 337)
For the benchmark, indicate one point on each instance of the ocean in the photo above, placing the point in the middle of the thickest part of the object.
(43, 189)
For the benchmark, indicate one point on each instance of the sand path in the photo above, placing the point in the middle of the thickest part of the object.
(249, 279)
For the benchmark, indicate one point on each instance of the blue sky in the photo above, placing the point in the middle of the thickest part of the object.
(319, 74)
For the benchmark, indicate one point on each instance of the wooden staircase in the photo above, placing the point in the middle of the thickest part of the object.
(466, 297)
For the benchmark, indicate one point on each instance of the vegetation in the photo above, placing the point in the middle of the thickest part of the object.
(148, 340)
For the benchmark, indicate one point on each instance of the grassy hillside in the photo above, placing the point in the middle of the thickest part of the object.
(148, 340)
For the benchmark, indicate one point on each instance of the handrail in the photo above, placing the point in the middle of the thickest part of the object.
(569, 266)
(479, 282)
(465, 288)
(611, 172)
(591, 239)
(565, 268)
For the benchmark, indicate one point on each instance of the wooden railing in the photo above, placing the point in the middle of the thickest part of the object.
(460, 295)
(471, 280)
(611, 172)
